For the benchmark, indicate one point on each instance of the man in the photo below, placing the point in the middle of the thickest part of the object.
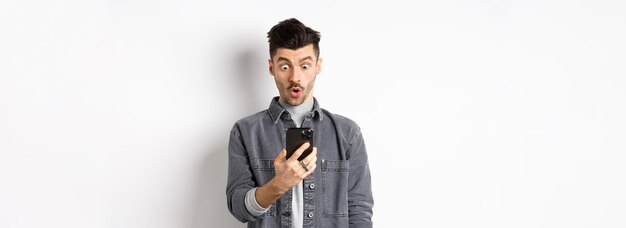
(331, 187)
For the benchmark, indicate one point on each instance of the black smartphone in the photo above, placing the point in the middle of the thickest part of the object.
(295, 138)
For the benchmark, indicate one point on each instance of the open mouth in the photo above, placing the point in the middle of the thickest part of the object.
(295, 91)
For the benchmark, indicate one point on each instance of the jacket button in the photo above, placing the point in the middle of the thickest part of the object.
(286, 214)
(310, 215)
(312, 186)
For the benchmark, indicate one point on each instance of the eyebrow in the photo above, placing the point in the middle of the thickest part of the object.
(302, 59)
(305, 58)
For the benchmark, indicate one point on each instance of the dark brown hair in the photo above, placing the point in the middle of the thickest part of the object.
(292, 34)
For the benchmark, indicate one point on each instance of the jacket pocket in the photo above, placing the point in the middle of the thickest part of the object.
(335, 186)
(263, 171)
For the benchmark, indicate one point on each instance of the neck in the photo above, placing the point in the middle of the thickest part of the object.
(297, 112)
(307, 104)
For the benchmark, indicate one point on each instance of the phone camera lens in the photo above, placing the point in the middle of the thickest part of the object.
(307, 134)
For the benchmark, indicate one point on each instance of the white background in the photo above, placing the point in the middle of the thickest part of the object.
(475, 113)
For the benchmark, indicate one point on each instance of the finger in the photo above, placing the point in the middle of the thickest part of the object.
(312, 157)
(309, 166)
(311, 170)
(305, 166)
(299, 151)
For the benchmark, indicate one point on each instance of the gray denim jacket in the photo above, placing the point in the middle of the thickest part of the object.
(337, 194)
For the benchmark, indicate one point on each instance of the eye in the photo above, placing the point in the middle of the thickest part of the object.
(305, 66)
(284, 67)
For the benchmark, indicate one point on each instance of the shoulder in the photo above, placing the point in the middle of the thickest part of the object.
(254, 118)
(340, 119)
(251, 121)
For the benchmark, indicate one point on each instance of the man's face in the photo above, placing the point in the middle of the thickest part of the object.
(294, 72)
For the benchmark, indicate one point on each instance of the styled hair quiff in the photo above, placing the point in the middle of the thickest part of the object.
(292, 34)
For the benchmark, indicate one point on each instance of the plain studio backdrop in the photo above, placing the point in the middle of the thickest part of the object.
(475, 113)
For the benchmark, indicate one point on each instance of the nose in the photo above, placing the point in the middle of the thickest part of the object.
(296, 76)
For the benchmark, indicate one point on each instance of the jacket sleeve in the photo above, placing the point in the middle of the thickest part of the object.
(360, 199)
(240, 178)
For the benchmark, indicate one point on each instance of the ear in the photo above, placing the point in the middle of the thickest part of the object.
(318, 66)
(271, 66)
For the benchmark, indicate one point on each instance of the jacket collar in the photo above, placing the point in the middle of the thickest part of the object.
(276, 110)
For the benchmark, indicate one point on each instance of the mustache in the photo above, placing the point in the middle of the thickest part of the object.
(296, 85)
